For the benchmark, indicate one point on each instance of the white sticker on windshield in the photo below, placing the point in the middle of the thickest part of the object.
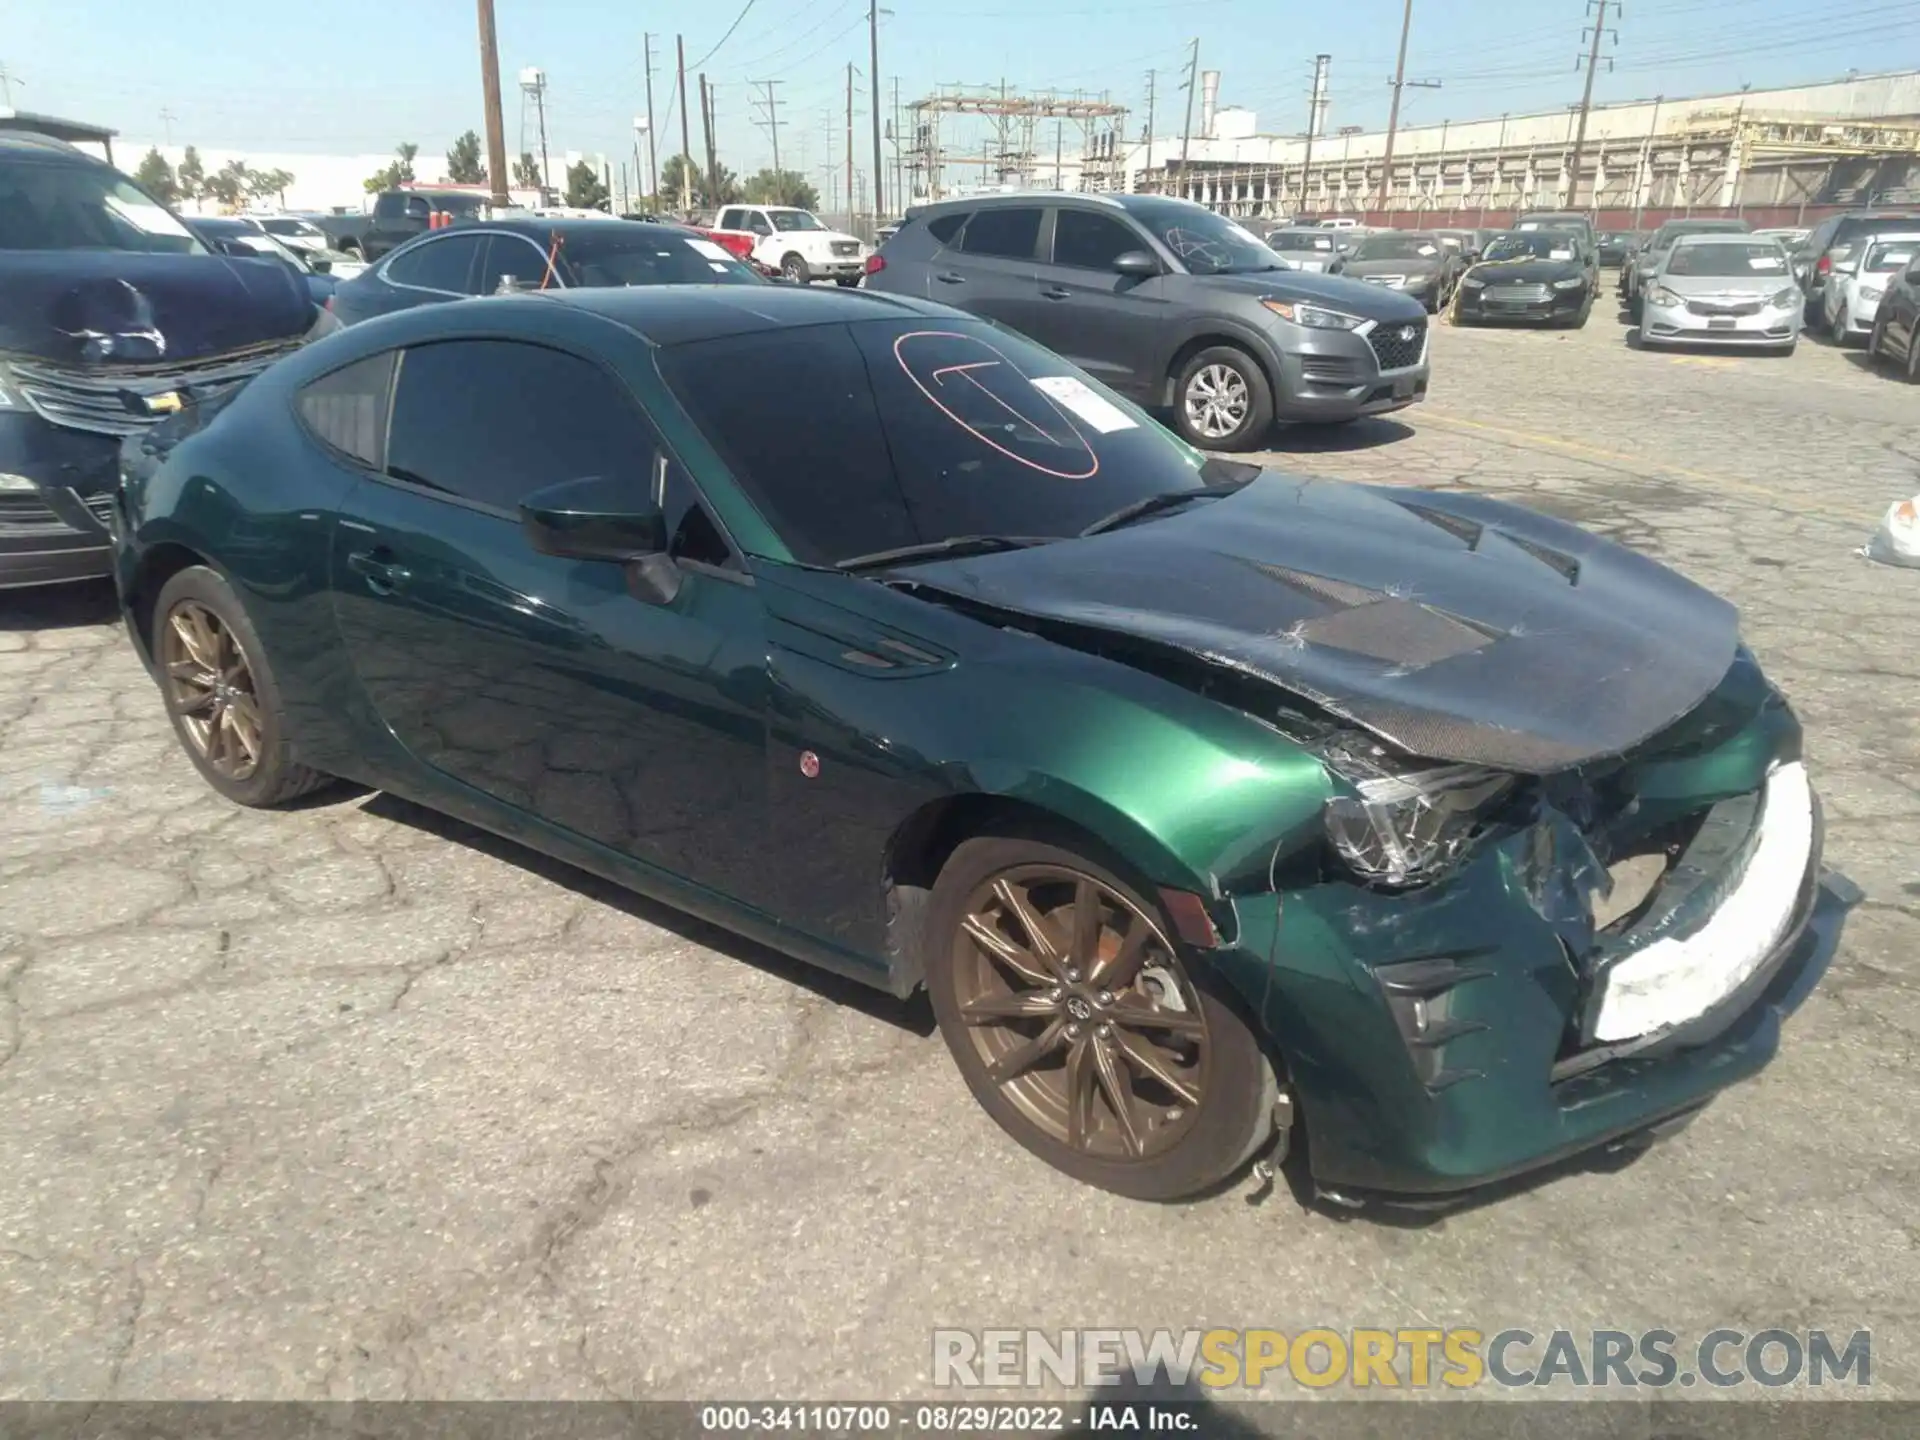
(1102, 414)
(709, 249)
(1559, 254)
(1425, 250)
(1767, 262)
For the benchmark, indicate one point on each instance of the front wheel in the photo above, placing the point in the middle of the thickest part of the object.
(795, 269)
(1913, 355)
(1876, 341)
(1222, 400)
(1840, 330)
(221, 694)
(1083, 1030)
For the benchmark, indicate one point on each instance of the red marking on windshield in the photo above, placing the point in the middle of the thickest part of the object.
(964, 369)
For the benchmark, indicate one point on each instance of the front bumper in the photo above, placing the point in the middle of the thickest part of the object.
(1677, 325)
(56, 532)
(1333, 375)
(1498, 1080)
(1487, 303)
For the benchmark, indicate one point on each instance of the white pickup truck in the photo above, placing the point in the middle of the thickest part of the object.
(795, 243)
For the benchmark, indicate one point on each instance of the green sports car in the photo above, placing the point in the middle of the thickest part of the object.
(1218, 811)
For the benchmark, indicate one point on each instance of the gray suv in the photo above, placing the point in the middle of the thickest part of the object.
(1171, 305)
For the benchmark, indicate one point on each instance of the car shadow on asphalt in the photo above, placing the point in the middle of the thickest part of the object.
(1366, 433)
(914, 1014)
(59, 607)
(1882, 370)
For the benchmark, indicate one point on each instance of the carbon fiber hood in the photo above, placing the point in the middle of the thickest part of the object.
(1452, 626)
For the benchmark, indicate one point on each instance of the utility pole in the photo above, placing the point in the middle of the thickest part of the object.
(772, 119)
(1643, 182)
(1400, 82)
(490, 102)
(1056, 155)
(1586, 101)
(873, 81)
(706, 129)
(1316, 102)
(686, 144)
(899, 180)
(850, 73)
(653, 168)
(540, 114)
(166, 119)
(1146, 168)
(7, 79)
(1193, 83)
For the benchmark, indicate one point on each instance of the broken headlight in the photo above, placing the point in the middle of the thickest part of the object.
(1403, 821)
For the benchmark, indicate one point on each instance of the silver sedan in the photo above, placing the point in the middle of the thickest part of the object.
(1733, 290)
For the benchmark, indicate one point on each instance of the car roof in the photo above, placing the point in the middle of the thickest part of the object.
(1722, 237)
(682, 314)
(1017, 197)
(27, 145)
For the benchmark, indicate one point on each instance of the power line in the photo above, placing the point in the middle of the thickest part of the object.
(726, 37)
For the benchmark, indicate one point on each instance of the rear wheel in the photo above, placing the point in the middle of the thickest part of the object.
(1913, 355)
(1222, 400)
(221, 694)
(1842, 323)
(1876, 342)
(1082, 1028)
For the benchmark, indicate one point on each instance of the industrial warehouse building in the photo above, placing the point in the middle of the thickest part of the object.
(1776, 155)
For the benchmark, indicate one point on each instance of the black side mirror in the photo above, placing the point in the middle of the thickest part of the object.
(320, 266)
(593, 518)
(1136, 263)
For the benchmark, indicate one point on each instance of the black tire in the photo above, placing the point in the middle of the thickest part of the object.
(1913, 356)
(1257, 418)
(1814, 318)
(1877, 340)
(276, 776)
(847, 282)
(794, 267)
(1233, 1116)
(350, 246)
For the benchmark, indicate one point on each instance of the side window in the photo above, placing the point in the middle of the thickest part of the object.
(758, 223)
(347, 409)
(944, 227)
(387, 206)
(1010, 233)
(472, 419)
(1090, 241)
(417, 208)
(437, 265)
(792, 413)
(511, 255)
(729, 220)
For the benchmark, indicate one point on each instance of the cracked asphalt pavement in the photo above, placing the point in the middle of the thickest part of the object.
(351, 1101)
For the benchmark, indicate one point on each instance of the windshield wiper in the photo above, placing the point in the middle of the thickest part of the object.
(953, 548)
(1225, 484)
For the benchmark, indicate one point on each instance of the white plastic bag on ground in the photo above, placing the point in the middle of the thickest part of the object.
(1897, 541)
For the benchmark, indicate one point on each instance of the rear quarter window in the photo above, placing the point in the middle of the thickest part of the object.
(944, 227)
(346, 410)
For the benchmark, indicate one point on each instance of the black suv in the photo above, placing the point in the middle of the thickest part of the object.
(113, 315)
(1813, 261)
(1169, 304)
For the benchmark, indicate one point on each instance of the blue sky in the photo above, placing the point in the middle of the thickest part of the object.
(361, 75)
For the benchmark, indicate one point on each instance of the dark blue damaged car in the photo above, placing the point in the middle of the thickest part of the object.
(112, 316)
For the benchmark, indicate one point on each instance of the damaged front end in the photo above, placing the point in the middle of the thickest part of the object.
(1480, 972)
(99, 346)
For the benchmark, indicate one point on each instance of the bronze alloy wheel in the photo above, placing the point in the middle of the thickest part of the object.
(210, 686)
(1081, 1012)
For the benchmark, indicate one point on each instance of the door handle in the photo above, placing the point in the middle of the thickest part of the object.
(378, 569)
(1054, 292)
(950, 278)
